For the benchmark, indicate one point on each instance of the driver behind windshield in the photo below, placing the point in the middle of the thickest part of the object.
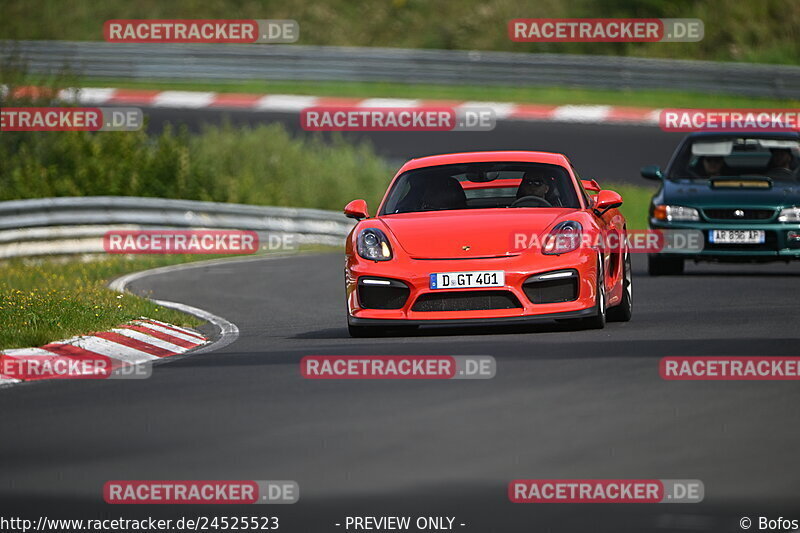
(712, 166)
(536, 183)
(780, 164)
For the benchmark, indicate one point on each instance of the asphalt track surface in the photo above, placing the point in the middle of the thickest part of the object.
(564, 405)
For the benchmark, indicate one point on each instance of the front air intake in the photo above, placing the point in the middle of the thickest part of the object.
(466, 301)
(380, 293)
(551, 288)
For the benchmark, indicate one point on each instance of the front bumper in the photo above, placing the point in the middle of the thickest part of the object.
(415, 273)
(499, 321)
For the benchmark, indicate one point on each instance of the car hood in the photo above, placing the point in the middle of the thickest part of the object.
(699, 193)
(484, 232)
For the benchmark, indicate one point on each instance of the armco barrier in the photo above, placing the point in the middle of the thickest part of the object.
(73, 225)
(328, 63)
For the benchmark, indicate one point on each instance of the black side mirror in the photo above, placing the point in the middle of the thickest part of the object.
(652, 172)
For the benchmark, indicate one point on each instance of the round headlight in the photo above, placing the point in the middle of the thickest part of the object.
(372, 244)
(370, 239)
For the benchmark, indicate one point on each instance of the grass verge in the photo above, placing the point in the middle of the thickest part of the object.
(47, 299)
(636, 202)
(43, 300)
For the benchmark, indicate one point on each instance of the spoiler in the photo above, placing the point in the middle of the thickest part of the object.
(591, 185)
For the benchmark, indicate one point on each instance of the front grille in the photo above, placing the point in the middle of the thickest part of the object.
(466, 301)
(744, 214)
(392, 296)
(770, 244)
(551, 291)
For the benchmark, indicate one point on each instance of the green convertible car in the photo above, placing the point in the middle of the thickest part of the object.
(740, 190)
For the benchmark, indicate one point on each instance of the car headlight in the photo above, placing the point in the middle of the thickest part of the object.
(790, 214)
(676, 213)
(563, 238)
(373, 245)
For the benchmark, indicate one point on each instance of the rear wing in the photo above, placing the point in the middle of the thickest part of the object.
(591, 185)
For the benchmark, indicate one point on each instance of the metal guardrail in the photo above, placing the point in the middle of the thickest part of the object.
(76, 225)
(325, 63)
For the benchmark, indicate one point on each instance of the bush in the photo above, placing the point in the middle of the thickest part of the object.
(260, 165)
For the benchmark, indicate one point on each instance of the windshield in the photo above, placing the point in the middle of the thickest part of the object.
(738, 156)
(481, 186)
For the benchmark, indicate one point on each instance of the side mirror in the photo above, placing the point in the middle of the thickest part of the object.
(652, 172)
(606, 200)
(591, 185)
(356, 209)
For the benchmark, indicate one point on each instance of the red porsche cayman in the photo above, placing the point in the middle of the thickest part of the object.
(487, 238)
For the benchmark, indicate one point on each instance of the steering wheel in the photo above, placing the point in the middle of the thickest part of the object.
(531, 201)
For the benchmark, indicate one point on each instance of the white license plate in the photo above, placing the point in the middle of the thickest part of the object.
(458, 280)
(736, 236)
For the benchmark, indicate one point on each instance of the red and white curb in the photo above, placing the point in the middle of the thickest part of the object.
(589, 114)
(125, 345)
(140, 341)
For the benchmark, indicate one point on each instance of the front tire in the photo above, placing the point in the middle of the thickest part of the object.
(623, 311)
(659, 265)
(599, 320)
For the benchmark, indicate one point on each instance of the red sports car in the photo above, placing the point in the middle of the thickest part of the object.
(485, 238)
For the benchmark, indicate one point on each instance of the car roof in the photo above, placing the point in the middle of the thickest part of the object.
(480, 157)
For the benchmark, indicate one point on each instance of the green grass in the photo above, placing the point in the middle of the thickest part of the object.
(735, 30)
(636, 202)
(46, 300)
(490, 93)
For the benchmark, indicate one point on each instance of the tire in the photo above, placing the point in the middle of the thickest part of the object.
(658, 265)
(623, 311)
(599, 320)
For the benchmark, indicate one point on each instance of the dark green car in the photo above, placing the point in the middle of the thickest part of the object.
(741, 190)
